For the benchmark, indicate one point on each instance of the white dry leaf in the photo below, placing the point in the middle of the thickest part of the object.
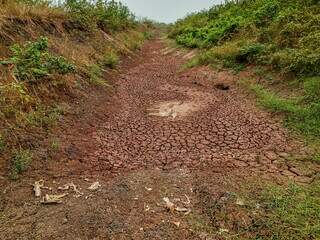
(188, 200)
(37, 188)
(53, 199)
(176, 223)
(222, 231)
(94, 186)
(169, 205)
(172, 207)
(240, 202)
(73, 187)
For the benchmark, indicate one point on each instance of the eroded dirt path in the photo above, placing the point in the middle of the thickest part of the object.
(164, 118)
(166, 133)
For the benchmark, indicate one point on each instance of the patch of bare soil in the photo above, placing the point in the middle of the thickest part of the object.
(165, 136)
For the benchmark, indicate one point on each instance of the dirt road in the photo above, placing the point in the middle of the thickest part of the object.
(186, 135)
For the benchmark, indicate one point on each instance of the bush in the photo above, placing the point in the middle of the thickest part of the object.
(95, 75)
(285, 34)
(20, 162)
(312, 89)
(32, 61)
(110, 60)
(250, 52)
(106, 15)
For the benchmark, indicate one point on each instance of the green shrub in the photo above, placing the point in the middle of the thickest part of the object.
(250, 53)
(43, 117)
(95, 75)
(32, 61)
(21, 159)
(81, 11)
(110, 60)
(106, 15)
(285, 34)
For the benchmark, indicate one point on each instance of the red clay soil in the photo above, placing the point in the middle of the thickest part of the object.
(220, 129)
(163, 133)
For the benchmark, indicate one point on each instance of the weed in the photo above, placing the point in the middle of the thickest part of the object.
(54, 145)
(110, 60)
(147, 35)
(300, 116)
(284, 34)
(106, 15)
(20, 162)
(95, 75)
(32, 61)
(42, 117)
(2, 144)
(295, 209)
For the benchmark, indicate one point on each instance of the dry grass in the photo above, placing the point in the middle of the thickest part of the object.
(12, 9)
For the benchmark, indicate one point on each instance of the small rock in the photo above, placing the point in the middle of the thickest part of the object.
(284, 155)
(94, 186)
(271, 155)
(238, 163)
(288, 173)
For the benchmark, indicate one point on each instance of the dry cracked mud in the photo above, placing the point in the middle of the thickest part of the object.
(165, 133)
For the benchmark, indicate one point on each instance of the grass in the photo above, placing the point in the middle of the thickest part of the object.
(43, 117)
(55, 145)
(292, 212)
(277, 33)
(95, 75)
(110, 60)
(301, 113)
(21, 159)
(48, 55)
(261, 211)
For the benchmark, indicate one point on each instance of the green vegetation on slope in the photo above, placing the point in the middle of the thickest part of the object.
(285, 34)
(51, 54)
(280, 35)
(261, 211)
(301, 113)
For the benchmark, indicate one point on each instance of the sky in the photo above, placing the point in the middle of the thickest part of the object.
(167, 11)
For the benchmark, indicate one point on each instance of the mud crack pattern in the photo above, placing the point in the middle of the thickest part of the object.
(214, 129)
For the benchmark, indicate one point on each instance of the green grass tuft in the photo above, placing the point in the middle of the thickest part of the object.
(110, 60)
(301, 114)
(21, 159)
(292, 212)
(96, 75)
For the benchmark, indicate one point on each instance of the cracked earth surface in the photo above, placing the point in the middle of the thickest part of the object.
(167, 118)
(164, 133)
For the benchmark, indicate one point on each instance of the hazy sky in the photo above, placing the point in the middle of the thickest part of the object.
(167, 10)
